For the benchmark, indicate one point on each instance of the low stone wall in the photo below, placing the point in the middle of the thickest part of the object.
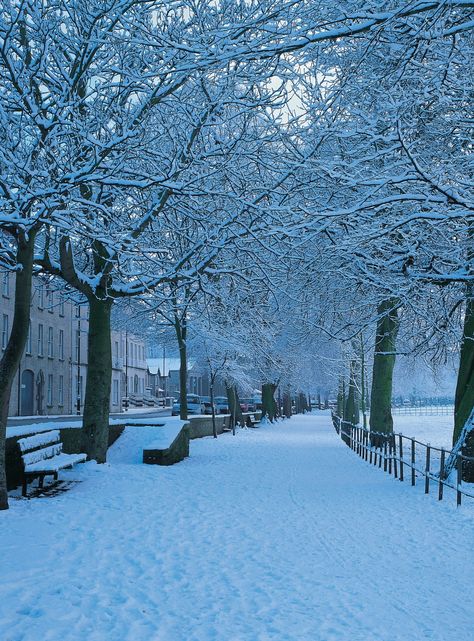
(202, 425)
(70, 438)
(174, 453)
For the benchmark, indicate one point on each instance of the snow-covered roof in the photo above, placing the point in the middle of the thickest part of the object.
(163, 367)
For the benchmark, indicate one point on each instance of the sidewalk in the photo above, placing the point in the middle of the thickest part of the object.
(278, 534)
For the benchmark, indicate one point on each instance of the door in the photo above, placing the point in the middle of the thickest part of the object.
(27, 392)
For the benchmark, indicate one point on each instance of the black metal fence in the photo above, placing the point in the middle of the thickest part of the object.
(408, 459)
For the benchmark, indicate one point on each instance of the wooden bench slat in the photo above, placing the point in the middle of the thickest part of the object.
(55, 463)
(39, 440)
(43, 454)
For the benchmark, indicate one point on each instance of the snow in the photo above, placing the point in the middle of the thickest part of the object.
(46, 426)
(436, 430)
(277, 534)
(56, 463)
(38, 440)
(166, 436)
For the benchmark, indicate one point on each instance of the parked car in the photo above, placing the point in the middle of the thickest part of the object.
(248, 405)
(206, 400)
(222, 404)
(195, 405)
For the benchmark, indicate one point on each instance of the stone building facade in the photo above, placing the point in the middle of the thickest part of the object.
(52, 375)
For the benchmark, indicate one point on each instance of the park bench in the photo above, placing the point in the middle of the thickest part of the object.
(251, 420)
(42, 455)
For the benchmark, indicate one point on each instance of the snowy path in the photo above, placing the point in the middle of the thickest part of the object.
(278, 534)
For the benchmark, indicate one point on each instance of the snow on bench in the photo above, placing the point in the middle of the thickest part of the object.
(42, 455)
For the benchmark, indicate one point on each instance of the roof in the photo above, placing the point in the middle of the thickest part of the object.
(163, 367)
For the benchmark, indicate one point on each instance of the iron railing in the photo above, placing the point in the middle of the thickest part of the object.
(409, 459)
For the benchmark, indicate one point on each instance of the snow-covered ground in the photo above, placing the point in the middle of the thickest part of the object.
(277, 534)
(437, 430)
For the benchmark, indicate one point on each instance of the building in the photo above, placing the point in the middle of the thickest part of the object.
(53, 369)
(163, 378)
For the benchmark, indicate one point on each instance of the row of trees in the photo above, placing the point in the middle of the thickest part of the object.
(302, 170)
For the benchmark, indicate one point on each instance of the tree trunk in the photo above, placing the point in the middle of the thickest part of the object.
(95, 424)
(287, 404)
(235, 410)
(363, 405)
(464, 399)
(384, 361)
(340, 398)
(183, 369)
(269, 407)
(351, 412)
(213, 409)
(303, 403)
(16, 344)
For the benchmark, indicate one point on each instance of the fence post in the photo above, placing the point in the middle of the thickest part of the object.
(459, 480)
(427, 469)
(385, 454)
(441, 474)
(400, 450)
(413, 474)
(395, 466)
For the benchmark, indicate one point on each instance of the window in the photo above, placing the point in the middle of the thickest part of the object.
(78, 345)
(50, 390)
(78, 311)
(40, 340)
(41, 297)
(61, 391)
(116, 352)
(50, 300)
(115, 394)
(4, 331)
(6, 284)
(28, 339)
(50, 343)
(61, 344)
(61, 305)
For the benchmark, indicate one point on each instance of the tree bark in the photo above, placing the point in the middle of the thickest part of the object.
(16, 344)
(351, 412)
(340, 398)
(287, 404)
(183, 370)
(384, 361)
(213, 409)
(269, 407)
(236, 416)
(95, 425)
(464, 398)
(363, 405)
